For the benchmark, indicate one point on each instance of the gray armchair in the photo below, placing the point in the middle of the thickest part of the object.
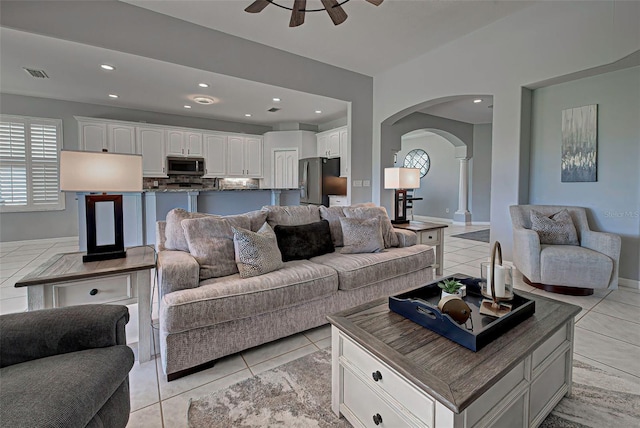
(66, 367)
(566, 269)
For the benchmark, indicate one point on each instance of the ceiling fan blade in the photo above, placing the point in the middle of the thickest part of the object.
(257, 6)
(375, 2)
(335, 11)
(297, 14)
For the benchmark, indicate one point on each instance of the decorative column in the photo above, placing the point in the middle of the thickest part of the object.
(462, 215)
(192, 202)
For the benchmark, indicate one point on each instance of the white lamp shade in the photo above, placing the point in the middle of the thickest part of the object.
(100, 172)
(401, 178)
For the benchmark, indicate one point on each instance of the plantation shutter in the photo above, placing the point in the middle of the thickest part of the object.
(29, 159)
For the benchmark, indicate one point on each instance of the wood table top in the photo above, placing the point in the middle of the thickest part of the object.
(419, 226)
(69, 267)
(451, 373)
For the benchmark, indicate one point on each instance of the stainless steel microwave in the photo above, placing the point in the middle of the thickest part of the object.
(185, 166)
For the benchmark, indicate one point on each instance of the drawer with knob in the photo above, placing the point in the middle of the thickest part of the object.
(108, 289)
(429, 237)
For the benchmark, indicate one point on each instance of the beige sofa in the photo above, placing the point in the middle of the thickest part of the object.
(204, 320)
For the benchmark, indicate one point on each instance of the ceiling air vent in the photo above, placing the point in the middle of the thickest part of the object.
(38, 74)
(273, 109)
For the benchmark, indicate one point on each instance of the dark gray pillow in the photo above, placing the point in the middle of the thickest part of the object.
(361, 235)
(557, 229)
(304, 241)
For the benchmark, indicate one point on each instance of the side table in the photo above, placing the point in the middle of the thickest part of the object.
(64, 280)
(429, 234)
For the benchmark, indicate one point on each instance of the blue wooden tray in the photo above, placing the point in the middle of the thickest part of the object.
(421, 306)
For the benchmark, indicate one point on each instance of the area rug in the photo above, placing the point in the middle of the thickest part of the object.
(298, 394)
(478, 235)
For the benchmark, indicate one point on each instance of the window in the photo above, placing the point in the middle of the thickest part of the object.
(418, 158)
(29, 164)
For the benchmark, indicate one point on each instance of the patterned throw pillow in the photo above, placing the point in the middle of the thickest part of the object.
(361, 236)
(256, 253)
(555, 230)
(388, 234)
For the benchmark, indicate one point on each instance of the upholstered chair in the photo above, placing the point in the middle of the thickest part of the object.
(566, 269)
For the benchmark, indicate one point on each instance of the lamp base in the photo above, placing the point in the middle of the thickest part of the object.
(400, 221)
(95, 257)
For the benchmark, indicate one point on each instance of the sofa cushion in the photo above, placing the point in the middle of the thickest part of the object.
(291, 215)
(361, 236)
(210, 242)
(390, 238)
(65, 390)
(333, 216)
(359, 270)
(230, 298)
(257, 219)
(175, 239)
(304, 241)
(256, 253)
(574, 266)
(557, 229)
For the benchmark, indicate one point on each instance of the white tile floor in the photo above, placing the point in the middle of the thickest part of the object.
(607, 331)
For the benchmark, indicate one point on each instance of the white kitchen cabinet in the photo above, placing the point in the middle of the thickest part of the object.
(285, 169)
(183, 143)
(121, 139)
(97, 136)
(92, 136)
(215, 155)
(244, 156)
(345, 160)
(151, 144)
(329, 144)
(322, 145)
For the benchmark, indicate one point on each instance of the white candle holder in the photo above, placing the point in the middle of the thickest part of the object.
(497, 280)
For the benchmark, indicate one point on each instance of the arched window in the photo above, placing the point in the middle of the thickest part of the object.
(418, 158)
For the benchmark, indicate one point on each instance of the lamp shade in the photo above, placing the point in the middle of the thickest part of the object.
(401, 178)
(100, 172)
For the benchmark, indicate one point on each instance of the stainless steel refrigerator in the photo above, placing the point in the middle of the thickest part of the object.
(319, 178)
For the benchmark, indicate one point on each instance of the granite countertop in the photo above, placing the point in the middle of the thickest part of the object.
(201, 189)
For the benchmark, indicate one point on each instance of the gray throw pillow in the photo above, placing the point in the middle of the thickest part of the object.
(388, 234)
(557, 229)
(173, 232)
(256, 253)
(211, 243)
(333, 216)
(361, 236)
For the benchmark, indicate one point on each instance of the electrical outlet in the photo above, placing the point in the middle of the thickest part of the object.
(155, 183)
(357, 183)
(446, 210)
(366, 183)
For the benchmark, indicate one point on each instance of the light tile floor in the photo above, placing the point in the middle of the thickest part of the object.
(607, 331)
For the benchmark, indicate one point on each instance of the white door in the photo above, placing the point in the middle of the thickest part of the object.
(235, 156)
(121, 138)
(175, 145)
(151, 146)
(193, 144)
(215, 152)
(253, 157)
(93, 136)
(285, 169)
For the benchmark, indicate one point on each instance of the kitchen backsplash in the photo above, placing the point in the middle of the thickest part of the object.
(189, 181)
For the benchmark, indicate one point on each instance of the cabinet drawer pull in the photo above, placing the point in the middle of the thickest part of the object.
(377, 419)
(93, 291)
(377, 375)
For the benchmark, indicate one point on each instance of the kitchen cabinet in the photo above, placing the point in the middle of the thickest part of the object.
(215, 155)
(345, 160)
(285, 169)
(95, 136)
(121, 139)
(151, 145)
(244, 156)
(92, 136)
(183, 143)
(329, 144)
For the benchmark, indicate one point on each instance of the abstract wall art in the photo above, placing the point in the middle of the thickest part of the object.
(579, 144)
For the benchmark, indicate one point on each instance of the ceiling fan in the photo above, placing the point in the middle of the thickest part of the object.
(333, 8)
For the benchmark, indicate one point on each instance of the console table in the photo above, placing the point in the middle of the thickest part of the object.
(429, 234)
(390, 371)
(64, 280)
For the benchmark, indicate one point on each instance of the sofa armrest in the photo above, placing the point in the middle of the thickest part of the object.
(406, 238)
(607, 244)
(177, 270)
(526, 252)
(32, 335)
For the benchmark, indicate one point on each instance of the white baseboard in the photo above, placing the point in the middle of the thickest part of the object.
(629, 283)
(38, 241)
(434, 219)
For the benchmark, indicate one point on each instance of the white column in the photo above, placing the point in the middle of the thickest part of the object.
(192, 202)
(462, 215)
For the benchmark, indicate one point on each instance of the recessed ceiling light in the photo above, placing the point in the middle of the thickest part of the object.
(318, 111)
(203, 85)
(477, 100)
(204, 100)
(107, 67)
(247, 115)
(113, 96)
(277, 100)
(187, 106)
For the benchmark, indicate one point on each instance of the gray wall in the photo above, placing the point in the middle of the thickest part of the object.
(614, 200)
(53, 224)
(480, 183)
(439, 187)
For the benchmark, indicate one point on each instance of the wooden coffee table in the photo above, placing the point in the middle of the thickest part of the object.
(393, 372)
(64, 280)
(429, 234)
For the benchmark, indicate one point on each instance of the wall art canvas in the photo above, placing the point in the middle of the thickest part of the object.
(579, 144)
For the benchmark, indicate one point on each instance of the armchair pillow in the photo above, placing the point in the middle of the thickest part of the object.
(361, 236)
(304, 241)
(389, 236)
(557, 229)
(256, 253)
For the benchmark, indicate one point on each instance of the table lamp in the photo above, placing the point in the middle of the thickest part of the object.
(101, 172)
(401, 179)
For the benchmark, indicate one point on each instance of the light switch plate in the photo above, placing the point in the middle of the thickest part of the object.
(366, 183)
(357, 183)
